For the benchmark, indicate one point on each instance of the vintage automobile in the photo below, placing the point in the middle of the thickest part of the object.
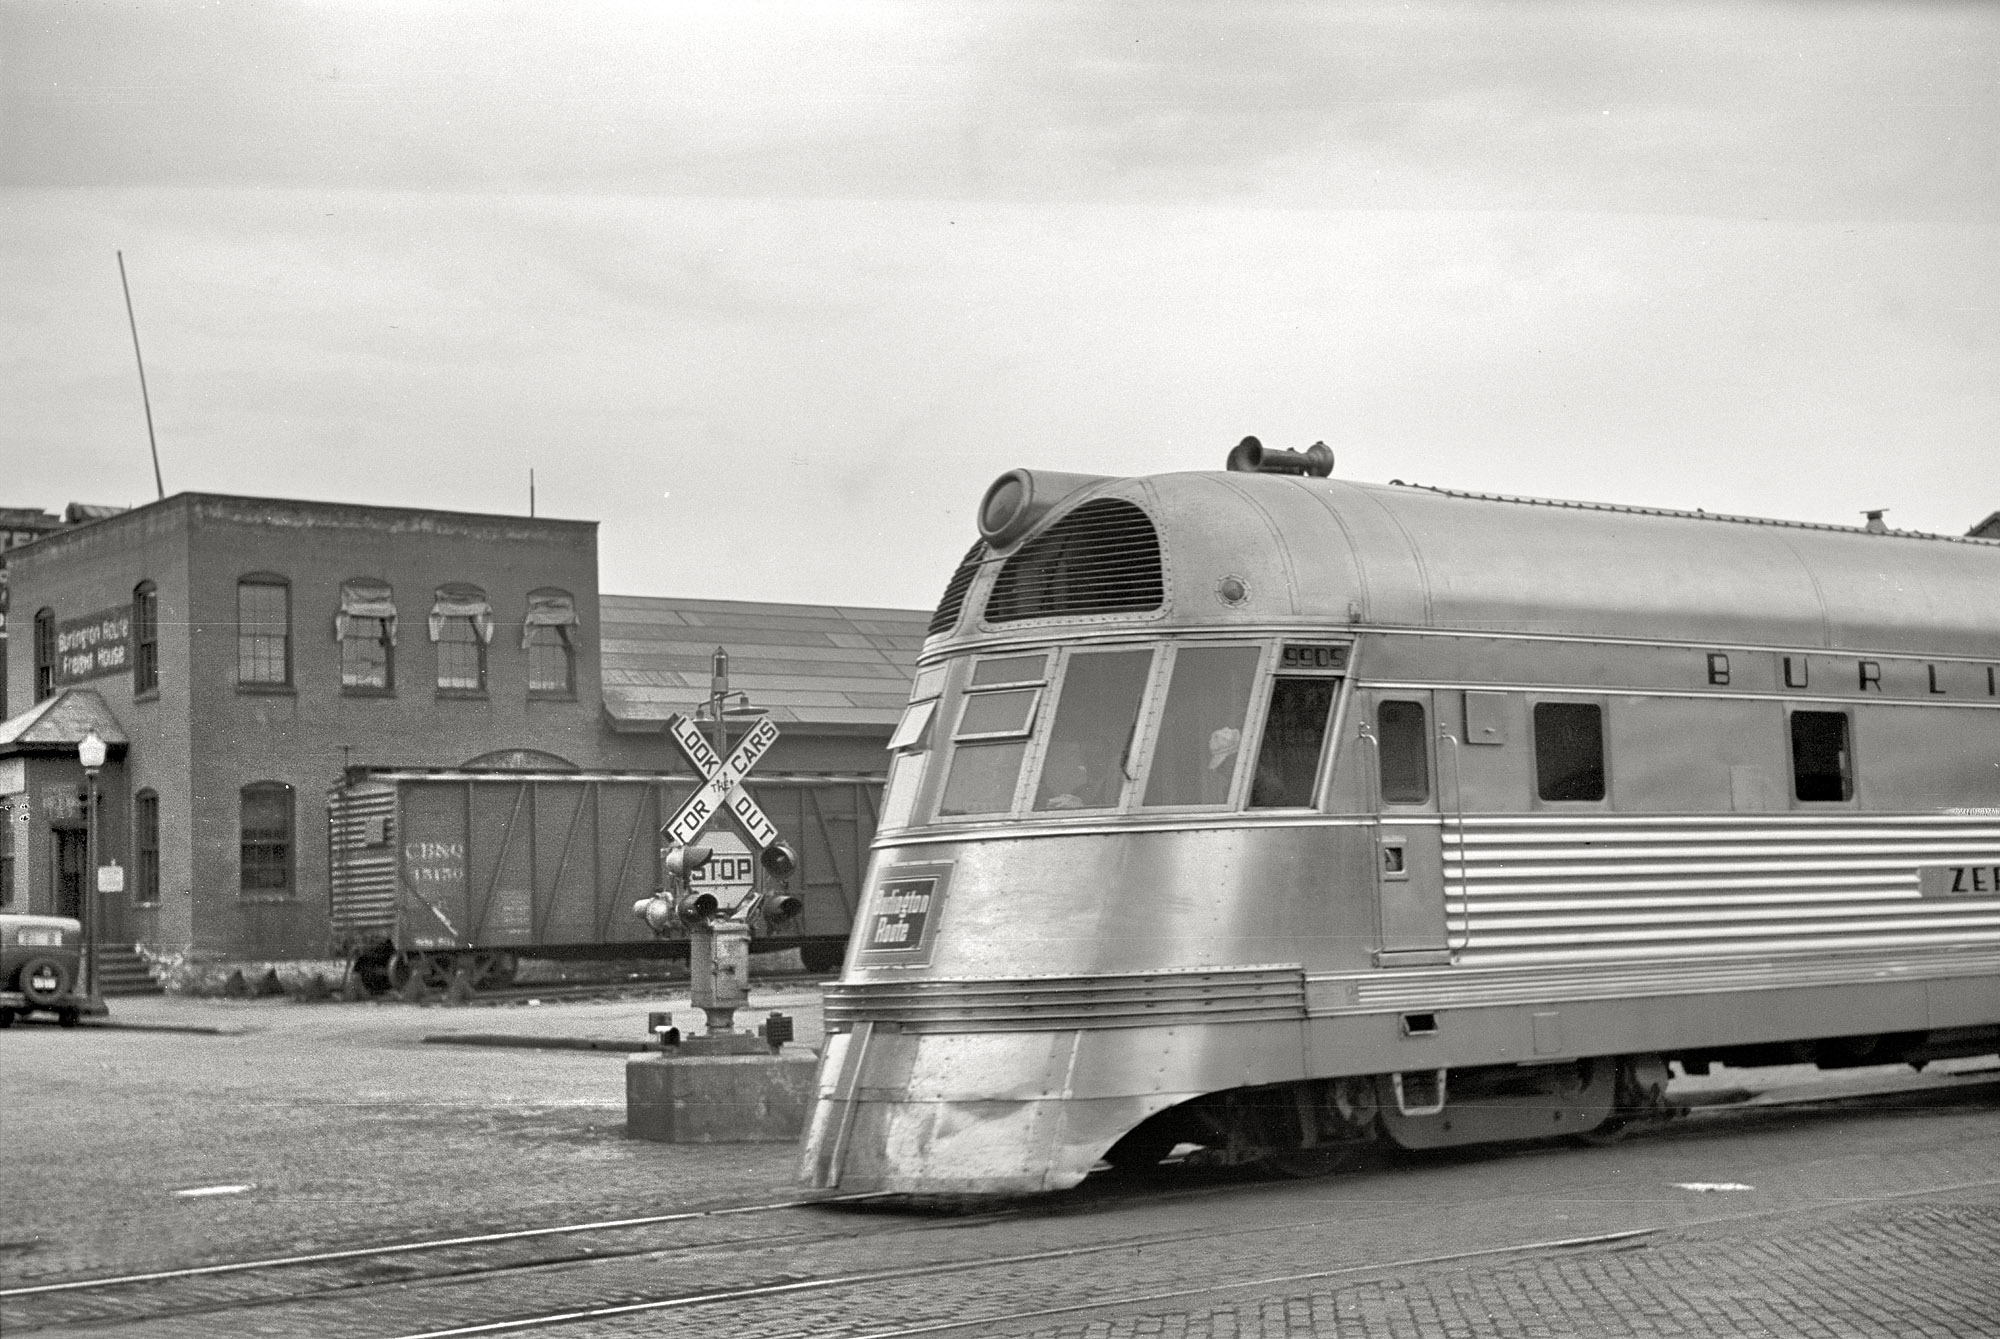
(41, 968)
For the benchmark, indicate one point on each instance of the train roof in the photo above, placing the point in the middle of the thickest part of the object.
(1337, 551)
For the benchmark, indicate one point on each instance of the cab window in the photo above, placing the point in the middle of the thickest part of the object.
(1200, 744)
(1089, 757)
(996, 714)
(1294, 735)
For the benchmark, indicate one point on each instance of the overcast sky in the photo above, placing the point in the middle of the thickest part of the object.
(774, 290)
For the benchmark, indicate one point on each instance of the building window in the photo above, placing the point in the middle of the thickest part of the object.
(45, 654)
(145, 847)
(366, 627)
(263, 631)
(461, 624)
(551, 662)
(145, 638)
(267, 839)
(1569, 751)
(548, 635)
(1822, 765)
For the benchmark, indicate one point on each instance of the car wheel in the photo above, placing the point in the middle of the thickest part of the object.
(68, 1017)
(6, 1018)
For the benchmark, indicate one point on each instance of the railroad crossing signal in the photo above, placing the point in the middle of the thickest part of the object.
(723, 784)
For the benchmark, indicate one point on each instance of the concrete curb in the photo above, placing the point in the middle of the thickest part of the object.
(502, 1039)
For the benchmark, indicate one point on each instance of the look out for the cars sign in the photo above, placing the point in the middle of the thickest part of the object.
(723, 784)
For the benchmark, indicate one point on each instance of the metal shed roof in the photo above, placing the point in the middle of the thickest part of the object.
(815, 664)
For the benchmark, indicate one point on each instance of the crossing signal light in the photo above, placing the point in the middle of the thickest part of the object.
(682, 861)
(779, 860)
(779, 907)
(656, 911)
(698, 907)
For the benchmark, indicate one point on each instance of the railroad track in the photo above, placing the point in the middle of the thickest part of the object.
(805, 1251)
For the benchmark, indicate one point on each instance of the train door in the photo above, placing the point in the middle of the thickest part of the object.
(1409, 855)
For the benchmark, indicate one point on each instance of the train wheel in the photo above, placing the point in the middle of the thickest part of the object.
(1305, 1163)
(1140, 1149)
(68, 1017)
(6, 1018)
(821, 957)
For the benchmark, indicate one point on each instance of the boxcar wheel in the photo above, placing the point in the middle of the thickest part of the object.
(68, 1017)
(493, 971)
(6, 1018)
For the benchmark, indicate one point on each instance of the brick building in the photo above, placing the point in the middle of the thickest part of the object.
(239, 655)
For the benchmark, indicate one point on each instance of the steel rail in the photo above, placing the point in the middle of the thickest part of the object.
(439, 1244)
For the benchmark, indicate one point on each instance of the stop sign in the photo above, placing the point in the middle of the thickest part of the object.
(730, 871)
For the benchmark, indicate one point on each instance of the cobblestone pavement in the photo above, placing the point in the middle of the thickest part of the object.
(1877, 1220)
(1889, 1270)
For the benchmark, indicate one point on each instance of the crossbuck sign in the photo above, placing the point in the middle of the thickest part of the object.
(723, 787)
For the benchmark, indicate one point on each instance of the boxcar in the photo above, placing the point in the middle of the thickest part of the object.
(437, 873)
(1270, 813)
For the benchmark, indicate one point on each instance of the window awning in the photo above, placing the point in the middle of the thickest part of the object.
(364, 597)
(462, 601)
(548, 608)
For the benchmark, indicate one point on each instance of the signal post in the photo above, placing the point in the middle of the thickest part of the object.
(721, 1086)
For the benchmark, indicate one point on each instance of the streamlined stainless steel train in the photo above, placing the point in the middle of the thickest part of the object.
(1271, 814)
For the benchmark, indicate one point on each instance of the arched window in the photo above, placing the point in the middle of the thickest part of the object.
(145, 638)
(263, 631)
(461, 625)
(266, 842)
(145, 847)
(45, 654)
(548, 635)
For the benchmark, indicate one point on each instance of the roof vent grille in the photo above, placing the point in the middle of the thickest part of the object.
(1102, 558)
(953, 603)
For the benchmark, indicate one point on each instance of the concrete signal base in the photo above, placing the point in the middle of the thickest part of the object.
(719, 1099)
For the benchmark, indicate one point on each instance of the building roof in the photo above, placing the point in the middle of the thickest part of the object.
(58, 724)
(1987, 529)
(814, 664)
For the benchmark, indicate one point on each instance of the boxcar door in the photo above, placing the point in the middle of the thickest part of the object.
(1409, 862)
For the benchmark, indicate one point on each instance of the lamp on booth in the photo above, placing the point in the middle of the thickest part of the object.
(90, 752)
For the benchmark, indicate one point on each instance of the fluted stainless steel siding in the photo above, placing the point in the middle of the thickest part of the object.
(1553, 889)
(1060, 1003)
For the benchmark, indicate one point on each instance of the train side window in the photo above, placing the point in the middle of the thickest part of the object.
(1569, 750)
(995, 718)
(1200, 740)
(1090, 746)
(1406, 763)
(909, 751)
(1822, 765)
(1294, 736)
